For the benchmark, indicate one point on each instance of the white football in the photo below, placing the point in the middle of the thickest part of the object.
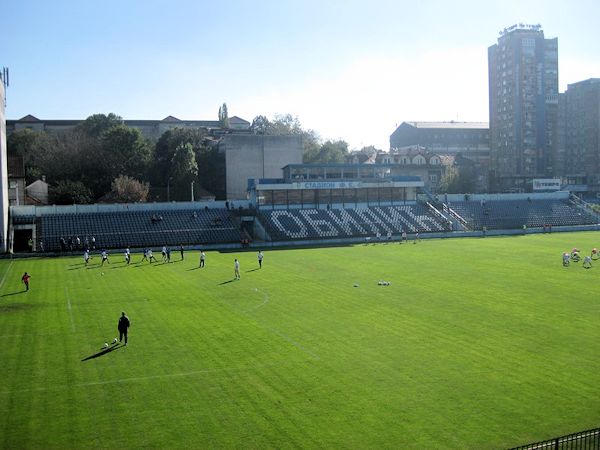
(106, 344)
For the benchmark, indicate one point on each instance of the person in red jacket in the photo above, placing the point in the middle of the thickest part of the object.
(25, 279)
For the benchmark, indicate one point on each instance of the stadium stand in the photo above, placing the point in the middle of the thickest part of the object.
(513, 214)
(292, 224)
(141, 228)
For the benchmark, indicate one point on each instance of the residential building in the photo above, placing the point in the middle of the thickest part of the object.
(523, 104)
(581, 122)
(3, 164)
(470, 141)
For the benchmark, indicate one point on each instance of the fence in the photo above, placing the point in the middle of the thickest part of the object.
(584, 440)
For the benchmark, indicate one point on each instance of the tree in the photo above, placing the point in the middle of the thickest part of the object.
(128, 190)
(126, 151)
(458, 180)
(260, 125)
(184, 168)
(166, 147)
(68, 192)
(329, 152)
(96, 124)
(26, 143)
(211, 170)
(223, 116)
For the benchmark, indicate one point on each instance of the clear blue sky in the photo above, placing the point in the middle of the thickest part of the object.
(347, 69)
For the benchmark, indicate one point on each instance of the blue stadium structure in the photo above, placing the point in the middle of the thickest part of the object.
(331, 203)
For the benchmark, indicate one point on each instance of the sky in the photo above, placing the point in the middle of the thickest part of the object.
(351, 70)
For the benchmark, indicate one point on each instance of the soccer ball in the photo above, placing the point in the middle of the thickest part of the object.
(114, 340)
(106, 344)
(102, 273)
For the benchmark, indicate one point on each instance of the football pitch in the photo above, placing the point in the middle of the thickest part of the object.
(476, 343)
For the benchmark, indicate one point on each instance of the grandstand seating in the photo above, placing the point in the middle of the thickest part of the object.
(340, 223)
(141, 228)
(513, 214)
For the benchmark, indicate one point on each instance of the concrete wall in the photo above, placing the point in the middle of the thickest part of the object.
(3, 175)
(257, 156)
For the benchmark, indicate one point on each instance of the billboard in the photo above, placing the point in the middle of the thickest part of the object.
(546, 184)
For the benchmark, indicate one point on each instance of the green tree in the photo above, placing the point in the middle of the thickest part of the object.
(96, 124)
(328, 152)
(67, 192)
(458, 180)
(166, 147)
(184, 169)
(26, 143)
(211, 170)
(223, 116)
(126, 151)
(260, 125)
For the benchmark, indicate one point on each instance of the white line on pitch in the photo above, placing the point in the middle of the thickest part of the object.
(70, 311)
(144, 378)
(6, 273)
(265, 301)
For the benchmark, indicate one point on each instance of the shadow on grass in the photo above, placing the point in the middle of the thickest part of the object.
(194, 268)
(253, 270)
(228, 281)
(104, 352)
(13, 293)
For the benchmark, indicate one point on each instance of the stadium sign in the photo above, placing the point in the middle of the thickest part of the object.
(546, 184)
(331, 185)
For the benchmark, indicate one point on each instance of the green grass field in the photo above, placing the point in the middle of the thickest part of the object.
(477, 343)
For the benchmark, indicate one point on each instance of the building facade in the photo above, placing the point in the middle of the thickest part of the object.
(581, 125)
(152, 129)
(3, 164)
(469, 141)
(254, 156)
(523, 102)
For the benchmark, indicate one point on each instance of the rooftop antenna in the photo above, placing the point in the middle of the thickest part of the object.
(4, 77)
(5, 81)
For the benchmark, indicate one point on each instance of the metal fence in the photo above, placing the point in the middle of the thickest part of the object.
(583, 440)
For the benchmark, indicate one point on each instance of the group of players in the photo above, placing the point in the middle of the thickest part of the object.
(147, 255)
(575, 256)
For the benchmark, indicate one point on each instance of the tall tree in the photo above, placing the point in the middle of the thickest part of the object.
(184, 169)
(166, 147)
(223, 116)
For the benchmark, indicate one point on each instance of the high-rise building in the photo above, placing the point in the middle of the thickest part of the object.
(581, 125)
(3, 164)
(523, 94)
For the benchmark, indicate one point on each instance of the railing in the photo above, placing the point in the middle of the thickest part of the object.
(589, 208)
(589, 439)
(457, 216)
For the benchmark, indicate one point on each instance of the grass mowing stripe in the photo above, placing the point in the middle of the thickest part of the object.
(143, 378)
(478, 343)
